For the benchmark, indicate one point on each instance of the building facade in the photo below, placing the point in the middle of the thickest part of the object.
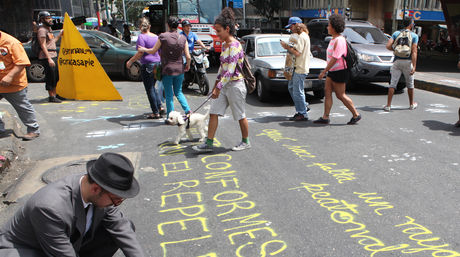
(21, 13)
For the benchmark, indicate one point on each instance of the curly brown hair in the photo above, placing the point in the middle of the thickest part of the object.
(227, 19)
(337, 22)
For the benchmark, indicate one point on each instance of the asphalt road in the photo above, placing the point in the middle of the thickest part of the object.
(388, 186)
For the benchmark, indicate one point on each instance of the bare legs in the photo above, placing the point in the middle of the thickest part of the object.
(214, 122)
(339, 89)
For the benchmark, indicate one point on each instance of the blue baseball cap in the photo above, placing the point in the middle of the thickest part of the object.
(293, 20)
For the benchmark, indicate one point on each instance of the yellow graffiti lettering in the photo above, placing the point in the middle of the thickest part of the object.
(246, 220)
(238, 250)
(194, 183)
(164, 244)
(301, 153)
(263, 250)
(175, 167)
(236, 205)
(251, 234)
(371, 200)
(202, 220)
(179, 197)
(415, 231)
(220, 166)
(241, 194)
(220, 174)
(182, 210)
(275, 135)
(224, 182)
(227, 156)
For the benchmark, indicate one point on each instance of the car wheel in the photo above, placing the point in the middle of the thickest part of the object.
(400, 88)
(262, 91)
(36, 71)
(319, 93)
(133, 73)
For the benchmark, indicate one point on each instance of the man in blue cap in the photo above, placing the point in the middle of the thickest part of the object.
(301, 68)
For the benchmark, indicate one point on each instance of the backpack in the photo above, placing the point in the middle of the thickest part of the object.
(351, 59)
(402, 45)
(249, 79)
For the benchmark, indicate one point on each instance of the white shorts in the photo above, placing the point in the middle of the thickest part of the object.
(234, 95)
(404, 67)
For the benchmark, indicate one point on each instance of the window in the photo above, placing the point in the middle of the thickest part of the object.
(250, 48)
(270, 47)
(92, 41)
(365, 35)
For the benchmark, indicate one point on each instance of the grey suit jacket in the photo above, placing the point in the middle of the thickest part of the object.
(52, 223)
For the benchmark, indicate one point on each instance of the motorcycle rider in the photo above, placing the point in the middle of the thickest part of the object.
(191, 36)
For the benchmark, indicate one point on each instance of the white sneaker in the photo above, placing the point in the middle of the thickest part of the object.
(413, 106)
(387, 108)
(241, 146)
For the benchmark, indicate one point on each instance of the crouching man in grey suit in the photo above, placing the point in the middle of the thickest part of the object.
(77, 216)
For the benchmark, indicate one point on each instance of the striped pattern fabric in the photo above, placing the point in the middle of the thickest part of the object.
(231, 55)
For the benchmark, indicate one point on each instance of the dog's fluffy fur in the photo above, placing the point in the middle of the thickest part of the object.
(197, 121)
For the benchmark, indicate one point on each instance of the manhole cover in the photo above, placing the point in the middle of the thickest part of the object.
(61, 171)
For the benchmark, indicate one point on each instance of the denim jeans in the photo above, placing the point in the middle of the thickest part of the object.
(173, 86)
(24, 108)
(149, 84)
(297, 91)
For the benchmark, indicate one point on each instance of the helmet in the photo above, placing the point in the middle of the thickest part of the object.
(43, 14)
(185, 23)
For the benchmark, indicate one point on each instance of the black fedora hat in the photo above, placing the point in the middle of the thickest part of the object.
(114, 173)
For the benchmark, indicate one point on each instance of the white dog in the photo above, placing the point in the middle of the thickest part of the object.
(197, 121)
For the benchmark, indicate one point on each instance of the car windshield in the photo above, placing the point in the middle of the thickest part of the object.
(365, 35)
(270, 46)
(112, 40)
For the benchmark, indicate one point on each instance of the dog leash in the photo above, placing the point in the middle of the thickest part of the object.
(186, 118)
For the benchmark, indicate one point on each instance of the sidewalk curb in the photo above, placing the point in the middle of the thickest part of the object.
(438, 88)
(10, 146)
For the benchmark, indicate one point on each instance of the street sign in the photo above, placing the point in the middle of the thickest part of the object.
(419, 15)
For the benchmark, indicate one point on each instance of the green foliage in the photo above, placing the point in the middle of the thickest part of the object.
(133, 10)
(267, 8)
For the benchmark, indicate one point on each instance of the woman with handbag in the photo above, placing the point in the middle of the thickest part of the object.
(173, 46)
(337, 72)
(149, 66)
(230, 89)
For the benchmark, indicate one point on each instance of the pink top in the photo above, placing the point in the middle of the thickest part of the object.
(339, 52)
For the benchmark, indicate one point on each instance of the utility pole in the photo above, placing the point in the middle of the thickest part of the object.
(244, 13)
(124, 12)
(404, 10)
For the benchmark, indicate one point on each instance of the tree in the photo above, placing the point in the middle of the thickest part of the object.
(133, 9)
(267, 8)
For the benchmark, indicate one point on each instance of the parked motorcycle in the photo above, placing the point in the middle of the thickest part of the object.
(197, 72)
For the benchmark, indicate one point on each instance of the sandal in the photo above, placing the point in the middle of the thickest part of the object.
(321, 120)
(457, 125)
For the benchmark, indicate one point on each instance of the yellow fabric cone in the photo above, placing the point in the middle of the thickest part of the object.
(81, 76)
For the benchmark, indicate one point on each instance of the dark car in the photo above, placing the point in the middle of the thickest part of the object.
(111, 52)
(369, 43)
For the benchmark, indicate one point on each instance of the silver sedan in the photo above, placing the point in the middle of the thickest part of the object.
(267, 58)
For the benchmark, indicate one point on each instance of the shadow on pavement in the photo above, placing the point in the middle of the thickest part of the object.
(442, 126)
(279, 100)
(129, 122)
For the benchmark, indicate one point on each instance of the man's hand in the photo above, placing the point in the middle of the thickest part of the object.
(187, 67)
(6, 81)
(284, 45)
(51, 63)
(412, 71)
(215, 93)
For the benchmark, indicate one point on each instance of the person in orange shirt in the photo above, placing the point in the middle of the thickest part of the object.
(13, 83)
